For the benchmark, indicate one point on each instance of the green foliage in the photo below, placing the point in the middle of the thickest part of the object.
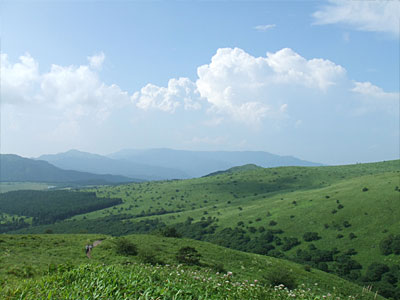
(279, 277)
(51, 206)
(262, 193)
(170, 232)
(141, 282)
(58, 255)
(311, 236)
(375, 271)
(125, 247)
(188, 255)
(390, 244)
(151, 258)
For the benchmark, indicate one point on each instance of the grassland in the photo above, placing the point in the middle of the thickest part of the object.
(57, 264)
(348, 209)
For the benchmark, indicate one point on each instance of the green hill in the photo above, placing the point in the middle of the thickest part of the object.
(57, 266)
(337, 219)
(243, 168)
(14, 168)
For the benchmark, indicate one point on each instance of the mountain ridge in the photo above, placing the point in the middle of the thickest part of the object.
(201, 163)
(15, 168)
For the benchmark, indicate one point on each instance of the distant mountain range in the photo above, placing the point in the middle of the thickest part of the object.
(98, 164)
(14, 168)
(200, 163)
(134, 165)
(163, 164)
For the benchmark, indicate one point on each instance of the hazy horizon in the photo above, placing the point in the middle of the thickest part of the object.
(315, 80)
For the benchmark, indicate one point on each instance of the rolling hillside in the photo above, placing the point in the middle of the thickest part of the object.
(57, 265)
(331, 218)
(14, 168)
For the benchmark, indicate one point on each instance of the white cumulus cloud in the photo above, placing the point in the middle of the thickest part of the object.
(368, 89)
(249, 89)
(73, 90)
(18, 80)
(80, 91)
(245, 86)
(377, 15)
(179, 92)
(290, 67)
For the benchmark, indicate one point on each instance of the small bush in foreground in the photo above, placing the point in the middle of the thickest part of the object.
(279, 277)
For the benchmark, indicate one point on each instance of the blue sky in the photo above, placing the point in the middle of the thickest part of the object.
(315, 79)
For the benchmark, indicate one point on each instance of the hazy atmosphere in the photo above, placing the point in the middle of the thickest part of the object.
(318, 80)
(200, 149)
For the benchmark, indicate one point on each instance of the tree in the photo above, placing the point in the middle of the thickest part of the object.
(188, 255)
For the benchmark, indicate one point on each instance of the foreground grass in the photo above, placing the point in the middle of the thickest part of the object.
(55, 266)
(139, 281)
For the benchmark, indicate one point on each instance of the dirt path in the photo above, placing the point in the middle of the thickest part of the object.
(95, 243)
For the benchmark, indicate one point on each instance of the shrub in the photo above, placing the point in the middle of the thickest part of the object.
(346, 224)
(289, 243)
(219, 267)
(272, 223)
(188, 255)
(125, 247)
(375, 271)
(150, 258)
(390, 244)
(311, 236)
(170, 232)
(281, 276)
(365, 189)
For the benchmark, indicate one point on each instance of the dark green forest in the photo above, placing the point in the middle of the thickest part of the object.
(46, 207)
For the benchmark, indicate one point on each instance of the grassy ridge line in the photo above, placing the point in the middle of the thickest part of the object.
(25, 256)
(233, 186)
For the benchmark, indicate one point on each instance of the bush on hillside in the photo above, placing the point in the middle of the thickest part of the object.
(311, 236)
(390, 244)
(281, 276)
(125, 247)
(375, 271)
(170, 232)
(188, 255)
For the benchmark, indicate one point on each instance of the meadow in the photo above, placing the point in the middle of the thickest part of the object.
(56, 267)
(335, 219)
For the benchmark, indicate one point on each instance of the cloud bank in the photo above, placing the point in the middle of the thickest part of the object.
(235, 85)
(281, 99)
(377, 16)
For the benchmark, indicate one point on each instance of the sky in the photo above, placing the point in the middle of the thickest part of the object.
(318, 80)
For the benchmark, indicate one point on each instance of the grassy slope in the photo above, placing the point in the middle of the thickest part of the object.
(269, 194)
(31, 255)
(372, 214)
